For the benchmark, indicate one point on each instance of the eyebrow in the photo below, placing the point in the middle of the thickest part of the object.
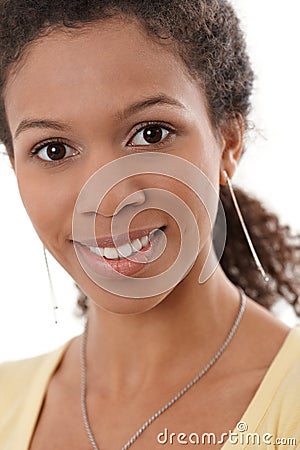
(27, 124)
(134, 108)
(160, 99)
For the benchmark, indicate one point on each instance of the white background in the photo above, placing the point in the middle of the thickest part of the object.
(270, 169)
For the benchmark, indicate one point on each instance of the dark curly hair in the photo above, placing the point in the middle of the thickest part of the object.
(206, 34)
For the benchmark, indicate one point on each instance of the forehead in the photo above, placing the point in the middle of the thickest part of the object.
(103, 66)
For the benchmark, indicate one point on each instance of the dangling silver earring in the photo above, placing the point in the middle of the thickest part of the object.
(54, 304)
(251, 246)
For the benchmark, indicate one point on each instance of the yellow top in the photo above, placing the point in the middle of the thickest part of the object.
(274, 412)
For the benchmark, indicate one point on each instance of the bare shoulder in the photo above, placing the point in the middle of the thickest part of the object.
(263, 325)
(259, 339)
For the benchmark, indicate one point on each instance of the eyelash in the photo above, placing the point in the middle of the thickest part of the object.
(145, 125)
(171, 131)
(35, 151)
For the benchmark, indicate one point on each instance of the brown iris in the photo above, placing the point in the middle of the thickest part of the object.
(56, 151)
(152, 134)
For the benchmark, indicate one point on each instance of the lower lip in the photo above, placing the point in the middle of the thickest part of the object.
(111, 268)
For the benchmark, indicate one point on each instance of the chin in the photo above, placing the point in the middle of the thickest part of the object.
(123, 305)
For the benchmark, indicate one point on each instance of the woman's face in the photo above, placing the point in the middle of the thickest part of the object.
(83, 99)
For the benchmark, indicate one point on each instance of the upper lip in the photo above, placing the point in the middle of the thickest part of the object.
(120, 239)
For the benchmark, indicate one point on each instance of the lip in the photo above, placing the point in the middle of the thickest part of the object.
(120, 239)
(100, 266)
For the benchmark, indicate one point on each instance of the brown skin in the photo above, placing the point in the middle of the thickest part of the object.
(83, 80)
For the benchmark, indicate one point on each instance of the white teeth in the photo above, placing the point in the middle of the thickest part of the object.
(97, 250)
(111, 253)
(144, 240)
(125, 250)
(136, 245)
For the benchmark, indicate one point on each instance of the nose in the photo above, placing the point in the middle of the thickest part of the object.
(127, 194)
(108, 192)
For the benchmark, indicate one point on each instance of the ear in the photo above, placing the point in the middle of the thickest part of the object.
(232, 138)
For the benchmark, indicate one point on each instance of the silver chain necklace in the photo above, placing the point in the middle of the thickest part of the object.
(172, 401)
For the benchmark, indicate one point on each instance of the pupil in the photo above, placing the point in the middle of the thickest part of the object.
(153, 134)
(56, 151)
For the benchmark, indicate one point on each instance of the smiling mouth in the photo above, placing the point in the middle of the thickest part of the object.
(126, 250)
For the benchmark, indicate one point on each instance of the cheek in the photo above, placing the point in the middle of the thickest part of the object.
(190, 211)
(204, 211)
(48, 203)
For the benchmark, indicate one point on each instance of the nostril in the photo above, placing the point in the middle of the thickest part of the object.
(137, 198)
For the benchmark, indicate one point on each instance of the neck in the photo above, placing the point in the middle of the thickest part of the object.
(193, 317)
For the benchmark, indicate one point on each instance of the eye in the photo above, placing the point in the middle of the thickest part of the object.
(151, 134)
(54, 151)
